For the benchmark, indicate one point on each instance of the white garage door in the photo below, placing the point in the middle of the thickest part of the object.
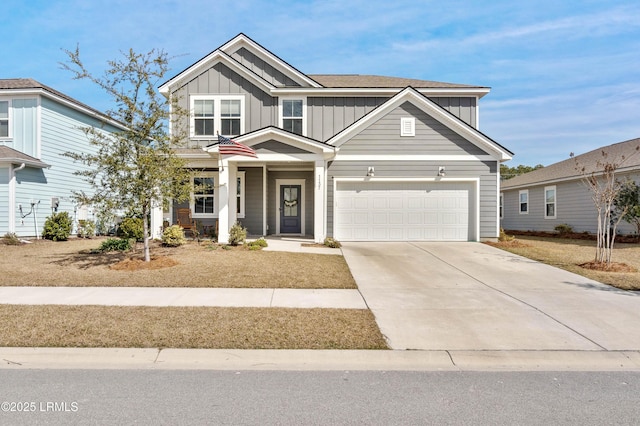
(403, 211)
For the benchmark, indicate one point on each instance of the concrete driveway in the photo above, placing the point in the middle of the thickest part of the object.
(471, 296)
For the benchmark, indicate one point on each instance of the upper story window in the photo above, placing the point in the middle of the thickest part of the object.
(550, 202)
(213, 114)
(4, 119)
(292, 115)
(524, 201)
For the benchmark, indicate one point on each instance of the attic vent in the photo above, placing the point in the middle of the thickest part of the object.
(407, 126)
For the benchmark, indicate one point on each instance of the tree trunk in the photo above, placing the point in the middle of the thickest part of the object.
(145, 228)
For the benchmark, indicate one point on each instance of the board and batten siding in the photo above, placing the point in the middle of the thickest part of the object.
(262, 68)
(463, 108)
(25, 126)
(574, 207)
(253, 205)
(5, 177)
(260, 109)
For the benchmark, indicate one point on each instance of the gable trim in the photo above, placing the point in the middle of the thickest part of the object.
(411, 95)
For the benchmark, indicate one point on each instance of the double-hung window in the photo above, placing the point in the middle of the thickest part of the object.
(293, 115)
(524, 201)
(203, 200)
(4, 119)
(550, 202)
(217, 114)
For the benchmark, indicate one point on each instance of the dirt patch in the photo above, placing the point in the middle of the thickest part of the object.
(510, 243)
(608, 267)
(136, 264)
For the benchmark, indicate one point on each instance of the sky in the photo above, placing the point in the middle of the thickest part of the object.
(564, 75)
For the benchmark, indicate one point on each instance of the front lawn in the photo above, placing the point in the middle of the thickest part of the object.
(570, 253)
(71, 263)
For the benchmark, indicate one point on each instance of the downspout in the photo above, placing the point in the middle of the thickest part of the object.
(13, 194)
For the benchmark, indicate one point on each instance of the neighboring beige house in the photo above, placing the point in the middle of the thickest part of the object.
(554, 195)
(354, 157)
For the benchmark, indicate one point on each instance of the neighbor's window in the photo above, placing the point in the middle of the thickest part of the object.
(550, 202)
(213, 115)
(501, 206)
(4, 119)
(524, 201)
(203, 199)
(292, 115)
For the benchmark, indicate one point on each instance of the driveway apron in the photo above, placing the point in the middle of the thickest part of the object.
(471, 296)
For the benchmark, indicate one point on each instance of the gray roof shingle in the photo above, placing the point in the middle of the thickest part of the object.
(16, 157)
(566, 170)
(336, 81)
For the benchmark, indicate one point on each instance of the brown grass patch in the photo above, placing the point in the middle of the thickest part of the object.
(510, 243)
(612, 267)
(71, 263)
(570, 254)
(139, 264)
(188, 327)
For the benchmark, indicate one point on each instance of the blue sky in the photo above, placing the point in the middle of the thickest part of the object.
(565, 75)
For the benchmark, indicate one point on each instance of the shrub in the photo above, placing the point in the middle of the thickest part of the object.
(86, 228)
(131, 227)
(504, 237)
(11, 239)
(173, 236)
(563, 229)
(115, 244)
(237, 234)
(330, 242)
(57, 227)
(257, 244)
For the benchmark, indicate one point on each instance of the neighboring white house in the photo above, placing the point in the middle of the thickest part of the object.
(354, 157)
(37, 125)
(554, 195)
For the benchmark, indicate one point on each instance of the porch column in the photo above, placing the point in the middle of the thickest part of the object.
(156, 220)
(319, 202)
(223, 202)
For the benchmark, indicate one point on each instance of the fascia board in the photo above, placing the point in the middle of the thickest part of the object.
(364, 92)
(430, 108)
(209, 61)
(284, 137)
(244, 41)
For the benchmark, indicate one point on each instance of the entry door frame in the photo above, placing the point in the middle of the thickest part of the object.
(286, 182)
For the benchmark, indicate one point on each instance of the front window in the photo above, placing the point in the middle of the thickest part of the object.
(524, 202)
(4, 119)
(203, 195)
(293, 115)
(213, 115)
(550, 202)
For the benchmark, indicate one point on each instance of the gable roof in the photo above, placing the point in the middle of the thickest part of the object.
(410, 94)
(566, 170)
(11, 156)
(377, 81)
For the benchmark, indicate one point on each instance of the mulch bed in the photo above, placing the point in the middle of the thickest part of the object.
(630, 239)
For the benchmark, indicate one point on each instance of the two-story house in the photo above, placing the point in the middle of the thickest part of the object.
(354, 157)
(37, 125)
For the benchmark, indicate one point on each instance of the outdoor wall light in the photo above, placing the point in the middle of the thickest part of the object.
(441, 171)
(370, 171)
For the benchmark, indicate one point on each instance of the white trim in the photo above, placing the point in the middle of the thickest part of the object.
(216, 194)
(217, 113)
(501, 206)
(462, 92)
(283, 136)
(476, 194)
(402, 157)
(320, 201)
(523, 191)
(9, 119)
(301, 182)
(478, 111)
(12, 198)
(281, 99)
(240, 174)
(265, 224)
(555, 201)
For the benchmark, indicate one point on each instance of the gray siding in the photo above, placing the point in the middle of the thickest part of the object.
(4, 199)
(432, 137)
(260, 108)
(263, 69)
(486, 171)
(253, 208)
(573, 207)
(272, 215)
(463, 108)
(273, 146)
(329, 116)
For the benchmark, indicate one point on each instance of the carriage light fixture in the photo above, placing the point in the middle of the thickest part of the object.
(370, 171)
(441, 171)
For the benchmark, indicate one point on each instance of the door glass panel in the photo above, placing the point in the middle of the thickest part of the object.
(290, 201)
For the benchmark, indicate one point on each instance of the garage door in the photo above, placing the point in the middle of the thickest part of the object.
(403, 211)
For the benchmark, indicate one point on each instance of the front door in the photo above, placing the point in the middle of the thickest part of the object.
(290, 209)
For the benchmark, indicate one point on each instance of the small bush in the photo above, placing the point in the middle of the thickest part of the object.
(57, 227)
(237, 234)
(173, 236)
(115, 244)
(330, 242)
(258, 244)
(563, 229)
(11, 239)
(504, 237)
(86, 229)
(131, 227)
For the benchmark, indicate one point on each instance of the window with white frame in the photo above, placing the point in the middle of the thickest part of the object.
(524, 201)
(203, 195)
(204, 201)
(4, 119)
(293, 115)
(213, 114)
(550, 202)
